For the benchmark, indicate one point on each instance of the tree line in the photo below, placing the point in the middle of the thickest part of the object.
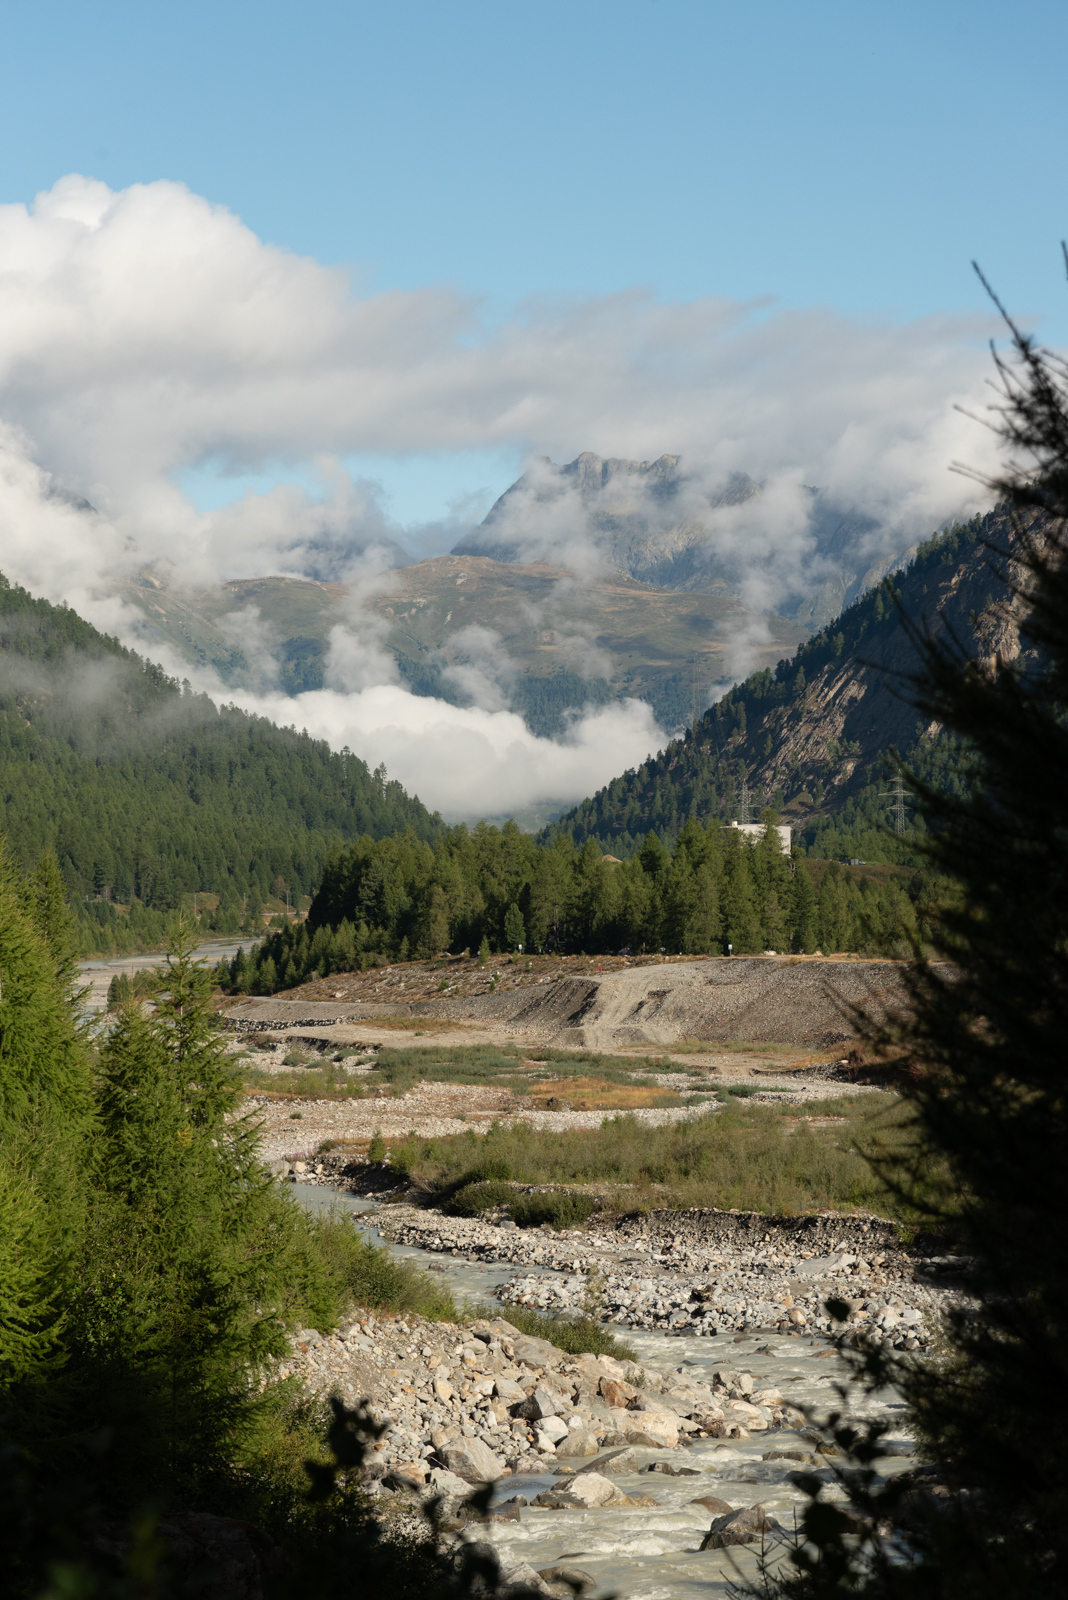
(498, 889)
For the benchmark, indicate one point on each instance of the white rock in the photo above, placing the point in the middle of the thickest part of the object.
(473, 1460)
(554, 1428)
(442, 1482)
(591, 1489)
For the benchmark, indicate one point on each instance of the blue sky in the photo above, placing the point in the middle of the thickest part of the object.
(847, 156)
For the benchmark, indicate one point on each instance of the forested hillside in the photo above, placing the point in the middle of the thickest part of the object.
(811, 737)
(146, 791)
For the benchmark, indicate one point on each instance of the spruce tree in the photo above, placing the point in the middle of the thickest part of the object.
(43, 1058)
(741, 922)
(804, 913)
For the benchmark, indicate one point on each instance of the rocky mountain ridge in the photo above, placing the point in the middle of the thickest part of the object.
(660, 523)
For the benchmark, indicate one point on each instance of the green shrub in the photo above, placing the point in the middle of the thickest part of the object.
(376, 1150)
(582, 1337)
(364, 1275)
(751, 1157)
(472, 1198)
(558, 1210)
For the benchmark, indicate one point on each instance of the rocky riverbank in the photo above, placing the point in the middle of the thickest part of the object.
(485, 1400)
(682, 1272)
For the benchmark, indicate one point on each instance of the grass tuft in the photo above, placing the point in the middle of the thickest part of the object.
(582, 1337)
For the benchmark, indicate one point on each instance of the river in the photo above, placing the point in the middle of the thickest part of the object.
(652, 1553)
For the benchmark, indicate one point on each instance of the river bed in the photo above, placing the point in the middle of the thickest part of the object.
(652, 1553)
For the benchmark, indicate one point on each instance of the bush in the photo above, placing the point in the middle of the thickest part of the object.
(558, 1210)
(582, 1337)
(750, 1157)
(472, 1198)
(364, 1275)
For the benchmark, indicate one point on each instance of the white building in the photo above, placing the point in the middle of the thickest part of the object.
(755, 830)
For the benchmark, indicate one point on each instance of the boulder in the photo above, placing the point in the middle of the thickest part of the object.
(442, 1482)
(521, 1579)
(536, 1352)
(443, 1390)
(739, 1527)
(671, 1472)
(713, 1503)
(567, 1580)
(615, 1461)
(578, 1443)
(472, 1460)
(509, 1391)
(541, 1402)
(656, 1429)
(554, 1428)
(616, 1393)
(584, 1490)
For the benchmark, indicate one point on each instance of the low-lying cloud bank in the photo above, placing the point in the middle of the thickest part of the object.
(146, 332)
(468, 762)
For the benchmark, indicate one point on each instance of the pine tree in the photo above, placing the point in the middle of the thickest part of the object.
(985, 1041)
(515, 933)
(741, 923)
(804, 912)
(43, 1058)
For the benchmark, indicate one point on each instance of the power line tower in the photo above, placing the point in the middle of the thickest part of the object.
(745, 800)
(898, 794)
(693, 698)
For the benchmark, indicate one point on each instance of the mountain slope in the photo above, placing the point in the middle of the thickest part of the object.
(562, 644)
(150, 792)
(660, 523)
(811, 738)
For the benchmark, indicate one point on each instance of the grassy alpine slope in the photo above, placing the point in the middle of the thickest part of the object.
(152, 792)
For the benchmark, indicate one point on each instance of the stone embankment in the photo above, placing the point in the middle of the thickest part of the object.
(697, 1275)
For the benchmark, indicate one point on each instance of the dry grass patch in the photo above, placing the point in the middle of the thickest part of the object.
(598, 1094)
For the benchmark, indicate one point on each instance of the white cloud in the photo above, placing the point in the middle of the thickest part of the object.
(470, 762)
(146, 331)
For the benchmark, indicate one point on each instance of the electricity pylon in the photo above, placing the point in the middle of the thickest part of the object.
(898, 794)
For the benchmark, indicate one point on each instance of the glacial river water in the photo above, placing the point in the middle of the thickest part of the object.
(652, 1553)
